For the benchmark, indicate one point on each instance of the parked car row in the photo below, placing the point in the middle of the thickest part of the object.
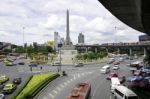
(9, 87)
(139, 82)
(118, 90)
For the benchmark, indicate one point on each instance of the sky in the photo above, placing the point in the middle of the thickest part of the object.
(37, 20)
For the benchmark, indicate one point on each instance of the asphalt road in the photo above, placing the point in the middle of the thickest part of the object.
(60, 88)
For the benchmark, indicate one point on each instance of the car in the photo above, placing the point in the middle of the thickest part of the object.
(131, 58)
(111, 75)
(64, 73)
(111, 61)
(134, 78)
(56, 63)
(128, 64)
(145, 70)
(1, 87)
(121, 59)
(138, 82)
(9, 88)
(22, 57)
(137, 73)
(115, 67)
(105, 69)
(79, 65)
(3, 79)
(116, 62)
(6, 60)
(9, 63)
(33, 64)
(21, 63)
(2, 96)
(17, 80)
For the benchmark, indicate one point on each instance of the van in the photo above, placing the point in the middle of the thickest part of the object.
(105, 69)
(122, 92)
(114, 82)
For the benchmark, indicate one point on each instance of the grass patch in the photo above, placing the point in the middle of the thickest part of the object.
(14, 95)
(36, 83)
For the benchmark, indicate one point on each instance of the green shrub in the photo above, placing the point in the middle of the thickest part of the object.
(14, 95)
(37, 82)
(41, 86)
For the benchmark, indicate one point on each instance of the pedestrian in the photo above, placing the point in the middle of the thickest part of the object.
(30, 68)
(41, 67)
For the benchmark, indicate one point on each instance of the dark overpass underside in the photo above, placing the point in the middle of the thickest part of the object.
(134, 13)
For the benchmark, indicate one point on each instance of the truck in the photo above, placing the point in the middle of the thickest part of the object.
(80, 91)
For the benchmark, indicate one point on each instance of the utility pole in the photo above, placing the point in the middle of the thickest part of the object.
(59, 46)
(23, 35)
(25, 47)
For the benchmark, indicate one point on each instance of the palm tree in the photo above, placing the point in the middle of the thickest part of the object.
(147, 59)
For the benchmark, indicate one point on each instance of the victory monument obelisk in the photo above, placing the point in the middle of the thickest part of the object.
(68, 44)
(68, 50)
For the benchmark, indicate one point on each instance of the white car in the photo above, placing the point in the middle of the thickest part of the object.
(115, 67)
(2, 96)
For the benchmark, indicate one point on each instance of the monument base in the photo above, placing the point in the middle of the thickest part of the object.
(68, 47)
(68, 56)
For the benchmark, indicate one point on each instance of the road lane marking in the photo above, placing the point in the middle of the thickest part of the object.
(50, 95)
(54, 91)
(65, 83)
(71, 79)
(68, 81)
(78, 75)
(62, 86)
(58, 88)
(95, 90)
(82, 74)
(44, 98)
(74, 77)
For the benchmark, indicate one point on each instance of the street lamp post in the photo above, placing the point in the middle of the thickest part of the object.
(23, 35)
(59, 46)
(24, 45)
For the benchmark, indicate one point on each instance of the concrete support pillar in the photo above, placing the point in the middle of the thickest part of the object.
(118, 50)
(107, 51)
(95, 50)
(145, 51)
(86, 49)
(130, 51)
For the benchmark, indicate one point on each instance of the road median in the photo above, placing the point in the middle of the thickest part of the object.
(36, 83)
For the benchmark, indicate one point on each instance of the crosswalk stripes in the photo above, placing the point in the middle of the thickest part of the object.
(55, 91)
(51, 95)
(58, 88)
(62, 86)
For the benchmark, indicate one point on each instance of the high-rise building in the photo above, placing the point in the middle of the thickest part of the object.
(81, 38)
(144, 38)
(57, 40)
(63, 41)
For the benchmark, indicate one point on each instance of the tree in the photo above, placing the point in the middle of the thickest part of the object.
(79, 56)
(19, 49)
(7, 50)
(49, 48)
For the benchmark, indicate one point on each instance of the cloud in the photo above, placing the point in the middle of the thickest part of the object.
(41, 18)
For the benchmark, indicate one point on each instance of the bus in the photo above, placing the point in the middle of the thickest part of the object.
(80, 91)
